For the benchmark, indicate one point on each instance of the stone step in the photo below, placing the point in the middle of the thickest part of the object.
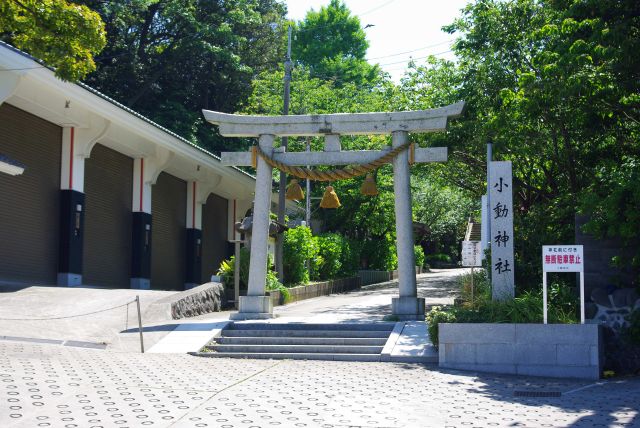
(292, 356)
(307, 333)
(284, 340)
(380, 326)
(296, 349)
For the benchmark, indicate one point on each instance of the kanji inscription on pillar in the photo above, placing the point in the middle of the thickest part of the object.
(501, 214)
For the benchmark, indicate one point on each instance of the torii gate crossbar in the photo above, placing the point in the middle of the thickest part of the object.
(407, 306)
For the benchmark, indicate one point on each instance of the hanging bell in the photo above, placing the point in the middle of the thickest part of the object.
(294, 191)
(329, 199)
(368, 187)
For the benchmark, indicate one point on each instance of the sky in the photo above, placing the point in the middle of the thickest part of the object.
(402, 29)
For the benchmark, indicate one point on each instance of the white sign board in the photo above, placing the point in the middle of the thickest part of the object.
(471, 253)
(562, 258)
(501, 214)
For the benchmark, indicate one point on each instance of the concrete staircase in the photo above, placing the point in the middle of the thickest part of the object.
(301, 341)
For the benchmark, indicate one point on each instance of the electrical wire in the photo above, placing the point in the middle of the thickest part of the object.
(375, 8)
(413, 59)
(411, 51)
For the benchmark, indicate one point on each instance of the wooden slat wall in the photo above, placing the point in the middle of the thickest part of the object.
(168, 252)
(215, 247)
(107, 239)
(29, 203)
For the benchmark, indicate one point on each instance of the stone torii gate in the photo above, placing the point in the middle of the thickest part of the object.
(408, 306)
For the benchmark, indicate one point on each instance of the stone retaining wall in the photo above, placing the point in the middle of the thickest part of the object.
(315, 290)
(552, 350)
(203, 299)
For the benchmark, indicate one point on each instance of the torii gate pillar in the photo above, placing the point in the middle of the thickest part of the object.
(407, 306)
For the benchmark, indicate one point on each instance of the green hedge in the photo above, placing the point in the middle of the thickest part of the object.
(330, 250)
(298, 247)
(329, 256)
(381, 253)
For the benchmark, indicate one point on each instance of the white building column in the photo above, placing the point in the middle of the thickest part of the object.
(255, 305)
(145, 173)
(193, 268)
(407, 306)
(141, 225)
(71, 208)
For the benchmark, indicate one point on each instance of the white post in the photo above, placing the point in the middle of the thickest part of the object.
(544, 296)
(485, 222)
(255, 304)
(581, 297)
(407, 306)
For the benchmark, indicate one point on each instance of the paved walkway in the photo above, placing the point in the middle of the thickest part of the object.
(53, 386)
(55, 305)
(372, 303)
(60, 386)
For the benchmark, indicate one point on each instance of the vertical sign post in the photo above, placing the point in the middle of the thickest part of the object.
(501, 230)
(471, 257)
(562, 258)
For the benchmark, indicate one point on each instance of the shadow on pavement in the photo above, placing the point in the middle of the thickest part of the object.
(605, 401)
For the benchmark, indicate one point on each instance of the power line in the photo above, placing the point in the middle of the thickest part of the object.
(420, 57)
(375, 8)
(413, 50)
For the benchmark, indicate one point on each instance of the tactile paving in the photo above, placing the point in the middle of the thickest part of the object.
(52, 386)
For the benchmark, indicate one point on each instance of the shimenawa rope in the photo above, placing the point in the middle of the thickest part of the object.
(334, 174)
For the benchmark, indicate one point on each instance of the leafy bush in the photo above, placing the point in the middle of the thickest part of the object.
(299, 246)
(526, 308)
(437, 315)
(381, 253)
(227, 268)
(330, 249)
(273, 284)
(226, 271)
(419, 254)
(350, 257)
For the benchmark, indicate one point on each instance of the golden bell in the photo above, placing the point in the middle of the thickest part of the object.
(368, 187)
(329, 199)
(294, 191)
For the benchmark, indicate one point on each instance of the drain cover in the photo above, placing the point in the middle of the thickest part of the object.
(537, 393)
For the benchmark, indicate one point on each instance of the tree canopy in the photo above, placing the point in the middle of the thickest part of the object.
(62, 34)
(331, 43)
(168, 59)
(553, 84)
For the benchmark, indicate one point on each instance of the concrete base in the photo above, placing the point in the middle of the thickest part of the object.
(549, 350)
(408, 308)
(140, 283)
(254, 308)
(69, 279)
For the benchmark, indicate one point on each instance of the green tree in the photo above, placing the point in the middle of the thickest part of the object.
(62, 34)
(553, 84)
(168, 59)
(333, 45)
